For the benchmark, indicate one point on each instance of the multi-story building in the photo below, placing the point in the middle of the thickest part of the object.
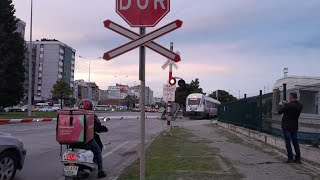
(148, 94)
(21, 27)
(157, 100)
(93, 92)
(118, 92)
(52, 60)
(86, 90)
(103, 95)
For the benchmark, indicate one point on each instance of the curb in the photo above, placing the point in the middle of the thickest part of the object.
(26, 120)
(30, 120)
(308, 153)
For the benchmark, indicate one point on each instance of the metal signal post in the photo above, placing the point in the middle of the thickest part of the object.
(169, 102)
(150, 17)
(142, 76)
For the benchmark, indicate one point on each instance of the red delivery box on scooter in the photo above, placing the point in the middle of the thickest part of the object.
(75, 126)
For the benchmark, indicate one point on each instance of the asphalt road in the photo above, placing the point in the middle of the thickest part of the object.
(43, 152)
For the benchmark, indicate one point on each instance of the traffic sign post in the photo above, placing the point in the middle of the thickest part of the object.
(142, 75)
(171, 100)
(169, 96)
(143, 14)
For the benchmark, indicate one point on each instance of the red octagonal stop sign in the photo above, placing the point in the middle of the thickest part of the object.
(143, 13)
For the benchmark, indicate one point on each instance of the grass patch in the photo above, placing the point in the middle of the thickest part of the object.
(182, 156)
(20, 115)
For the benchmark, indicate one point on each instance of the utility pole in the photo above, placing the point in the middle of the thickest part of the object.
(30, 66)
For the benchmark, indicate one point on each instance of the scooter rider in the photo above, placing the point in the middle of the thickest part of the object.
(93, 145)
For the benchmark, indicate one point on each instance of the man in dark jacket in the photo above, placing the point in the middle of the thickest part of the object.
(291, 112)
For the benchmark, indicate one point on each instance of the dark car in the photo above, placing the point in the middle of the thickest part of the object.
(12, 155)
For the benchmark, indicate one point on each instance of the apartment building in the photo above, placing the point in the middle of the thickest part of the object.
(52, 60)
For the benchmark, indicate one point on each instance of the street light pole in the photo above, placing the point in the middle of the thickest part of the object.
(90, 70)
(30, 65)
(90, 59)
(89, 80)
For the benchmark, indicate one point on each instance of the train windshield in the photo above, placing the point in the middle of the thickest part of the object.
(194, 101)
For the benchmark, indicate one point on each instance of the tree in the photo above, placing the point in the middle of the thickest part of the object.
(131, 100)
(61, 90)
(183, 93)
(161, 104)
(223, 96)
(12, 56)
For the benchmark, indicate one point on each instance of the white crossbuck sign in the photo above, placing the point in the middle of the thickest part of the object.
(146, 40)
(169, 62)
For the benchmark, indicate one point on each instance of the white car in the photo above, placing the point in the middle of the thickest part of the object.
(46, 109)
(12, 155)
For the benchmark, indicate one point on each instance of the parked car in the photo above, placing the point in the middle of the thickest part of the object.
(46, 109)
(56, 107)
(17, 109)
(12, 155)
(136, 110)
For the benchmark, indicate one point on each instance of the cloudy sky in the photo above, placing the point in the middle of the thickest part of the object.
(232, 45)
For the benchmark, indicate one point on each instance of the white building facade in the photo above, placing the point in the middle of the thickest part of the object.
(52, 60)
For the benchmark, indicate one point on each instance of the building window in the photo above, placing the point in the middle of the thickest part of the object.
(309, 99)
(40, 74)
(41, 55)
(61, 57)
(39, 88)
(61, 51)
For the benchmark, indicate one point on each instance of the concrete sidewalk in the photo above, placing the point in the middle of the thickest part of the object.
(253, 159)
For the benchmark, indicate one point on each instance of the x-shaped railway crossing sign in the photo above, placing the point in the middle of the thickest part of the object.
(169, 62)
(146, 40)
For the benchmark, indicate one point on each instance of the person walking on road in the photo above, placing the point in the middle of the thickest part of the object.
(291, 112)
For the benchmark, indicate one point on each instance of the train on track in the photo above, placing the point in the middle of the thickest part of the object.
(201, 106)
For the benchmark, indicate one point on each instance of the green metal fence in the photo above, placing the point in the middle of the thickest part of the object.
(254, 112)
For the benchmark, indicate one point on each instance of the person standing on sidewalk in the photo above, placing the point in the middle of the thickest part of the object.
(291, 112)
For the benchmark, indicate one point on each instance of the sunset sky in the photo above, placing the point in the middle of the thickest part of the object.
(232, 45)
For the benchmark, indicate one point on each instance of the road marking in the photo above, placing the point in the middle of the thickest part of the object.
(115, 149)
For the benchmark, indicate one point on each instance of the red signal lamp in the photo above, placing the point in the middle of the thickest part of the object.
(172, 81)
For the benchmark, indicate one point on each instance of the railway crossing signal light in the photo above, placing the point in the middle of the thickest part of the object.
(172, 81)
